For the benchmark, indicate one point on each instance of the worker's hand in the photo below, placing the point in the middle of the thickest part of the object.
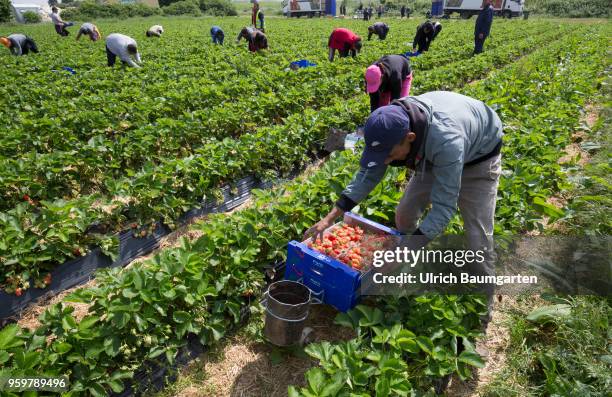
(316, 232)
(481, 36)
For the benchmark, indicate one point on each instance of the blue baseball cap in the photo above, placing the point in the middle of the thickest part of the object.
(385, 128)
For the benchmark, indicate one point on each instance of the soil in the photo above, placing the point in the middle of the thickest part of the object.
(245, 368)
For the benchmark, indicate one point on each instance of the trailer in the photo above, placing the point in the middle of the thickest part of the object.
(467, 8)
(299, 8)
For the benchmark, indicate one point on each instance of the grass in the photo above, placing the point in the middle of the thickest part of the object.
(568, 356)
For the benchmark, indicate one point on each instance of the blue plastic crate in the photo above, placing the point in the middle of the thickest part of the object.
(338, 283)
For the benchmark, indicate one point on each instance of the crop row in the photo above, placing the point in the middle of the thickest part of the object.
(124, 148)
(80, 169)
(176, 185)
(104, 97)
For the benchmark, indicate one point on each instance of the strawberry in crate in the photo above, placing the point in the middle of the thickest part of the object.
(350, 245)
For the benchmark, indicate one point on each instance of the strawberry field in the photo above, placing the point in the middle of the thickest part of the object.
(85, 156)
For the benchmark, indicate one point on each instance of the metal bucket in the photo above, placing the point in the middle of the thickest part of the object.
(287, 305)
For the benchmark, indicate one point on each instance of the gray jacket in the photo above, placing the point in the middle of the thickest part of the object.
(18, 41)
(461, 129)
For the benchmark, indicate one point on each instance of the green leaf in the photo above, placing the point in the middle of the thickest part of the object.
(8, 337)
(464, 371)
(129, 293)
(87, 322)
(62, 347)
(409, 345)
(218, 331)
(68, 322)
(382, 387)
(547, 362)
(138, 280)
(181, 316)
(337, 382)
(111, 345)
(292, 392)
(94, 351)
(371, 316)
(453, 343)
(116, 385)
(391, 365)
(349, 319)
(547, 209)
(122, 374)
(472, 359)
(550, 313)
(156, 351)
(321, 351)
(425, 344)
(97, 390)
(27, 360)
(316, 379)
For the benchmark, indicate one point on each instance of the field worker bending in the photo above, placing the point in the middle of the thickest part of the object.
(90, 30)
(217, 35)
(155, 30)
(19, 44)
(345, 41)
(380, 29)
(60, 25)
(425, 34)
(387, 79)
(453, 142)
(256, 39)
(483, 26)
(124, 47)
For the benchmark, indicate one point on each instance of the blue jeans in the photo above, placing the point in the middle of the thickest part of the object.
(218, 39)
(478, 44)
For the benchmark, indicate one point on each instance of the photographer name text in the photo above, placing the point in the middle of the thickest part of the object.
(450, 278)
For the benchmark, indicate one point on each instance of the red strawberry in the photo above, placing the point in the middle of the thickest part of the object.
(18, 291)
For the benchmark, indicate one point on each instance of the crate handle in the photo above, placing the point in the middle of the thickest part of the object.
(317, 272)
(316, 298)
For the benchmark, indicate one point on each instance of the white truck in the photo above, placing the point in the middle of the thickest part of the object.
(467, 8)
(298, 8)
